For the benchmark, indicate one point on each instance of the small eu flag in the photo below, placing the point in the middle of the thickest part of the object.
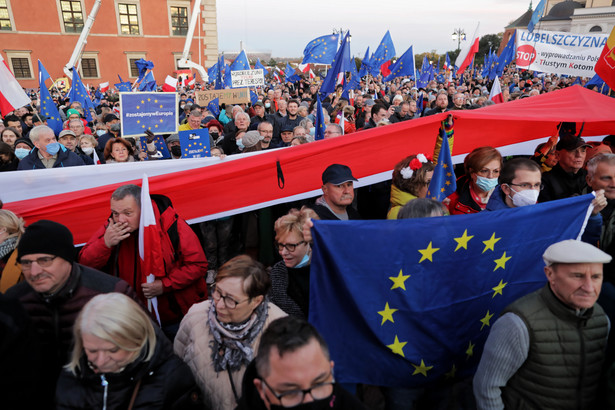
(156, 112)
(403, 66)
(443, 181)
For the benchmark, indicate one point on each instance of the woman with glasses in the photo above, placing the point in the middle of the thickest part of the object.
(290, 277)
(218, 338)
(474, 188)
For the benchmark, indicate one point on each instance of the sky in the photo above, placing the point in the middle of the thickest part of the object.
(284, 27)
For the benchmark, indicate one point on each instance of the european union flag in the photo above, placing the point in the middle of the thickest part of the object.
(228, 80)
(384, 52)
(364, 70)
(214, 107)
(537, 15)
(290, 74)
(408, 302)
(355, 80)
(123, 85)
(146, 84)
(443, 182)
(143, 65)
(339, 63)
(321, 50)
(419, 103)
(160, 144)
(596, 80)
(426, 74)
(48, 107)
(253, 97)
(80, 94)
(195, 143)
(260, 65)
(212, 72)
(156, 112)
(240, 63)
(403, 66)
(220, 73)
(319, 125)
(508, 54)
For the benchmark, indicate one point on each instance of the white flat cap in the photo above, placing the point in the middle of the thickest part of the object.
(571, 251)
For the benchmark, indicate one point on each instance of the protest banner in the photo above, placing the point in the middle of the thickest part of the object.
(195, 143)
(156, 112)
(247, 78)
(559, 52)
(234, 96)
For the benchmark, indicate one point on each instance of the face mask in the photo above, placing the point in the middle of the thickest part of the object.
(240, 144)
(21, 153)
(176, 151)
(267, 105)
(486, 184)
(524, 198)
(214, 135)
(305, 260)
(313, 131)
(53, 148)
(100, 133)
(88, 150)
(327, 403)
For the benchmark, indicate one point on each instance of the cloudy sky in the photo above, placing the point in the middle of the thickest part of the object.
(284, 27)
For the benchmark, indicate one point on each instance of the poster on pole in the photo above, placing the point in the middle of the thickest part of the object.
(156, 112)
(228, 96)
(558, 52)
(247, 78)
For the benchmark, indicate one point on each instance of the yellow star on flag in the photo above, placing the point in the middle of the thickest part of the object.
(501, 262)
(422, 369)
(387, 314)
(445, 166)
(462, 241)
(498, 288)
(427, 253)
(451, 373)
(486, 319)
(397, 347)
(142, 101)
(138, 106)
(399, 280)
(490, 243)
(138, 121)
(470, 350)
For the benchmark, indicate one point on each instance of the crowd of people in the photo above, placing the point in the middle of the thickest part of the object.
(223, 322)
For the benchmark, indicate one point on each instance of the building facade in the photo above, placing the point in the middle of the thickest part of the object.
(124, 31)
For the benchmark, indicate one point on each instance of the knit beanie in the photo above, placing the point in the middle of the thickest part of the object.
(47, 237)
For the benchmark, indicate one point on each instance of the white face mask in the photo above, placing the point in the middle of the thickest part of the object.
(88, 150)
(524, 198)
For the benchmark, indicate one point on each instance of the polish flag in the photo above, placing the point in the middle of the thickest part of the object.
(170, 84)
(96, 158)
(150, 249)
(384, 68)
(496, 92)
(12, 96)
(192, 82)
(467, 53)
(312, 75)
(104, 87)
(305, 68)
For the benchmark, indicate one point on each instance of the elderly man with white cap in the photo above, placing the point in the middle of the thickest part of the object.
(547, 349)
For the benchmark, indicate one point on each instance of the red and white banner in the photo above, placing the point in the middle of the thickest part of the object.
(209, 188)
(467, 53)
(12, 96)
(104, 87)
(170, 84)
(496, 92)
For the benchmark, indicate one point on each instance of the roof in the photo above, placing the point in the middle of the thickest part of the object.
(563, 10)
(522, 21)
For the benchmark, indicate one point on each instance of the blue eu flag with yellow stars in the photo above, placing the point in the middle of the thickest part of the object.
(260, 65)
(443, 182)
(384, 52)
(241, 62)
(403, 66)
(319, 125)
(160, 143)
(409, 302)
(79, 93)
(507, 55)
(48, 107)
(321, 50)
(195, 143)
(156, 112)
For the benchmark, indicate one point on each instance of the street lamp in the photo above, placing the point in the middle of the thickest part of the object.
(458, 35)
(341, 32)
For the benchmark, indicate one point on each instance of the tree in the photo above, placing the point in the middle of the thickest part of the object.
(486, 43)
(271, 62)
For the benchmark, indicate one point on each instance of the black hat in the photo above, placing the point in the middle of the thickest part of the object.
(287, 128)
(258, 103)
(337, 174)
(47, 237)
(26, 141)
(109, 117)
(567, 138)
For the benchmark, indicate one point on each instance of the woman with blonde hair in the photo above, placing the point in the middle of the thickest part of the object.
(120, 360)
(11, 229)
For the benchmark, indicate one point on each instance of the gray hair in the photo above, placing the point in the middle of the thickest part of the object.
(592, 164)
(337, 127)
(196, 113)
(39, 130)
(242, 114)
(420, 208)
(76, 121)
(125, 190)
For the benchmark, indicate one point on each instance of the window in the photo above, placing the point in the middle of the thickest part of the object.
(134, 70)
(89, 66)
(5, 17)
(21, 67)
(595, 29)
(129, 19)
(72, 15)
(131, 58)
(179, 20)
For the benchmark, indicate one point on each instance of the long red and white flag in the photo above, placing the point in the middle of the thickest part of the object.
(12, 95)
(104, 87)
(465, 55)
(496, 92)
(150, 250)
(170, 84)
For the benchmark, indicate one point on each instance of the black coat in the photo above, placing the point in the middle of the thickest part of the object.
(166, 383)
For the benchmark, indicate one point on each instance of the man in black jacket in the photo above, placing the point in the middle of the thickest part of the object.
(49, 153)
(53, 293)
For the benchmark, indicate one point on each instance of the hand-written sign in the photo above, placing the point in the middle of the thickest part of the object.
(248, 78)
(230, 96)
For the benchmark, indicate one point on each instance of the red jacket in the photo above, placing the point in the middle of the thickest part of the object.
(185, 267)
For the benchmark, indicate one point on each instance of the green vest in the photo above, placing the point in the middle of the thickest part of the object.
(565, 359)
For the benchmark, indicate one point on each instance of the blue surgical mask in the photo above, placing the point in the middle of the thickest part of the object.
(21, 153)
(486, 184)
(267, 105)
(240, 144)
(305, 261)
(100, 133)
(53, 148)
(313, 131)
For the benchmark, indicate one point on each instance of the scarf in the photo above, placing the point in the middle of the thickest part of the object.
(7, 246)
(231, 347)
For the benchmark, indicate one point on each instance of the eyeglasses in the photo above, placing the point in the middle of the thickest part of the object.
(293, 398)
(486, 172)
(43, 262)
(229, 302)
(290, 247)
(537, 186)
